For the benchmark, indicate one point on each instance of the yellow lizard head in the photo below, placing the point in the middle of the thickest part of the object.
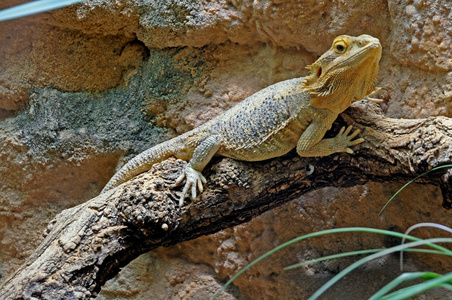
(345, 73)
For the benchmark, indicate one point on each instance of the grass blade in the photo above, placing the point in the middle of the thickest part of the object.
(400, 280)
(34, 7)
(331, 282)
(339, 255)
(320, 233)
(410, 182)
(421, 225)
(405, 293)
(358, 252)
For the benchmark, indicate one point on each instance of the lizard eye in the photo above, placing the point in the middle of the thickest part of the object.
(339, 46)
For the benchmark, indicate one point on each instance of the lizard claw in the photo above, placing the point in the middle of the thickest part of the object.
(195, 180)
(377, 90)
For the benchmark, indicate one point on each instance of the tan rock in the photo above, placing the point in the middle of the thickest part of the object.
(79, 85)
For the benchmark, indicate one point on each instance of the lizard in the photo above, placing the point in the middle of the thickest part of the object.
(294, 113)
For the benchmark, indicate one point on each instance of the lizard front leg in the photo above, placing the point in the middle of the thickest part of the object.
(192, 172)
(312, 143)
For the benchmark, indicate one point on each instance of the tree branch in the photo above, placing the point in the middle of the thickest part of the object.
(88, 244)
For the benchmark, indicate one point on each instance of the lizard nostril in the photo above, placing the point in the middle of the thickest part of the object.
(363, 43)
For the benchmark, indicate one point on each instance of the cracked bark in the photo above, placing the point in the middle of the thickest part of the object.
(88, 244)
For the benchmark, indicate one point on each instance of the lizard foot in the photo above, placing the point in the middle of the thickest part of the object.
(344, 141)
(194, 181)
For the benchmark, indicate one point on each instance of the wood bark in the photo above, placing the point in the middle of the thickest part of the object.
(88, 244)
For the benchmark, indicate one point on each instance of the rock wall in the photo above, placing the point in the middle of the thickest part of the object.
(85, 88)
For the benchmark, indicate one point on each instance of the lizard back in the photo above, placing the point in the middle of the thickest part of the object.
(265, 125)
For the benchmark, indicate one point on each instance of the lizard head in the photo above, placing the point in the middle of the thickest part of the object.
(345, 73)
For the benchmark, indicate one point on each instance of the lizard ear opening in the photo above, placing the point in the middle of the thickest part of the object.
(319, 72)
(317, 85)
(315, 71)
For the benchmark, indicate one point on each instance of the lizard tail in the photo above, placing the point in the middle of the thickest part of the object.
(139, 164)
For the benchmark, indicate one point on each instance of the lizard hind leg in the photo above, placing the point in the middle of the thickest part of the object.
(192, 172)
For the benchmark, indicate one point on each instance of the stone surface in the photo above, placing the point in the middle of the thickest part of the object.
(85, 87)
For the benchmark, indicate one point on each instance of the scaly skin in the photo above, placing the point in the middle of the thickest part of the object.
(271, 122)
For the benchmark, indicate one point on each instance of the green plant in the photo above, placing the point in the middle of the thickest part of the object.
(410, 182)
(432, 280)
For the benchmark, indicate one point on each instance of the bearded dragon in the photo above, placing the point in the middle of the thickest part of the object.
(270, 123)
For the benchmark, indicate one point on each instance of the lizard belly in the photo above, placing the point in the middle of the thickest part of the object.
(276, 144)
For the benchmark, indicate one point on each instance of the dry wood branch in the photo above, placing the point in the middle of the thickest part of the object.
(88, 244)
